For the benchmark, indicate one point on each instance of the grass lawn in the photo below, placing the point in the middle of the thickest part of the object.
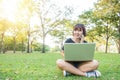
(36, 66)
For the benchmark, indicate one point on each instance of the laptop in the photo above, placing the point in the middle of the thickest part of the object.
(79, 51)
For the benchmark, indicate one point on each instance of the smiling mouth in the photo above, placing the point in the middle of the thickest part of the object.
(77, 36)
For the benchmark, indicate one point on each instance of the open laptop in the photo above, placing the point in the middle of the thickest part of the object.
(79, 51)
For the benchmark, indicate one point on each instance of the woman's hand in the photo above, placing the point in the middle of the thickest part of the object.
(82, 39)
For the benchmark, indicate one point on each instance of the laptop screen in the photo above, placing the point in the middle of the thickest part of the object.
(79, 51)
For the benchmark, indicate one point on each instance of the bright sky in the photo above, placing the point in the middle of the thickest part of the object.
(9, 8)
(78, 5)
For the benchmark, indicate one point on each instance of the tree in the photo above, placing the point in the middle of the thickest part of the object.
(17, 31)
(50, 17)
(97, 25)
(62, 32)
(27, 7)
(92, 23)
(109, 11)
(4, 24)
(22, 35)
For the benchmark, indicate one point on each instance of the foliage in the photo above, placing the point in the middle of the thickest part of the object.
(50, 23)
(55, 49)
(102, 21)
(109, 12)
(9, 44)
(4, 26)
(38, 47)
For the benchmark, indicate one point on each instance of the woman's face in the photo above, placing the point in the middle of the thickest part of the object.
(78, 33)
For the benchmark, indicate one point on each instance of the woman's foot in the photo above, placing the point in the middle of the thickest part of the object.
(65, 73)
(94, 73)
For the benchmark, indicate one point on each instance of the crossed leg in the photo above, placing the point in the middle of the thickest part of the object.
(81, 70)
(88, 66)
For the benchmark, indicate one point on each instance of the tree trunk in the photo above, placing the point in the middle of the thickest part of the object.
(119, 46)
(0, 46)
(28, 44)
(62, 42)
(107, 37)
(106, 48)
(119, 35)
(43, 46)
(22, 46)
(2, 43)
(119, 38)
(14, 44)
(31, 46)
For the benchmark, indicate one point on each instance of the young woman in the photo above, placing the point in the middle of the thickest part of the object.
(81, 68)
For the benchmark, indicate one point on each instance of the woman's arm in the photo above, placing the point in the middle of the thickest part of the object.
(62, 53)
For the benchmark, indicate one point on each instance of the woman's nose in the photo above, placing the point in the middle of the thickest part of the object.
(76, 31)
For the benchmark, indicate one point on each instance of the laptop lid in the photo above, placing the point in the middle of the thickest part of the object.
(79, 51)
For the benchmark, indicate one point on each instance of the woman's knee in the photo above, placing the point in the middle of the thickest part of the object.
(95, 63)
(60, 63)
(88, 66)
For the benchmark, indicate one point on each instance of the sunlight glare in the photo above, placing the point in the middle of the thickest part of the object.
(9, 8)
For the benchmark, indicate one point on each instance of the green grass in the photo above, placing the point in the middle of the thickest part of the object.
(37, 66)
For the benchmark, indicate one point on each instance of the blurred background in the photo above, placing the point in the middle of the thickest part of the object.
(43, 25)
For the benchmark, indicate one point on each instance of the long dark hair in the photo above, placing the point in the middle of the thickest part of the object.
(80, 26)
